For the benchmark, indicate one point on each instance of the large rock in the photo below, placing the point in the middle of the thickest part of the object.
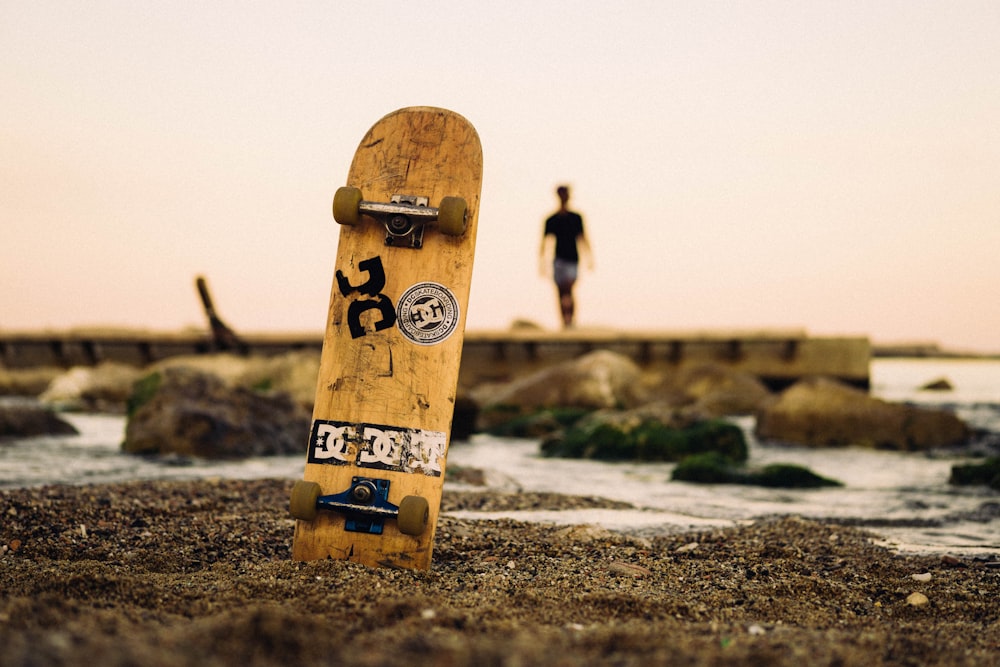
(712, 390)
(27, 381)
(598, 380)
(224, 365)
(188, 412)
(107, 386)
(25, 419)
(293, 373)
(823, 412)
(653, 432)
(102, 388)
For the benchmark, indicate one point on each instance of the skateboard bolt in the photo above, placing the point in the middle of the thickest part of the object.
(399, 224)
(363, 494)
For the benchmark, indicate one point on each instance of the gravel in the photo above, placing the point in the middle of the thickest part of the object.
(199, 573)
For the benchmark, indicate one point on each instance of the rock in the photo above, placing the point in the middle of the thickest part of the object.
(102, 388)
(597, 380)
(922, 577)
(27, 381)
(825, 413)
(463, 423)
(713, 468)
(25, 419)
(230, 368)
(952, 561)
(917, 600)
(712, 390)
(986, 473)
(294, 373)
(583, 533)
(940, 384)
(645, 434)
(545, 422)
(788, 476)
(525, 325)
(191, 413)
(629, 569)
(463, 475)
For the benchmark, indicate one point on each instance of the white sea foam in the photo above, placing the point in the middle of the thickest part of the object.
(904, 497)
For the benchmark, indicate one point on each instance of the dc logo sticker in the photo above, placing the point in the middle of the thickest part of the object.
(427, 313)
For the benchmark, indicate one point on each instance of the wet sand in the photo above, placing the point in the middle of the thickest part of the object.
(198, 573)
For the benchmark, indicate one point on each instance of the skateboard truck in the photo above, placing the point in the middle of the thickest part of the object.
(365, 506)
(404, 216)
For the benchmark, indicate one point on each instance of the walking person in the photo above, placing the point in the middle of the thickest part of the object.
(565, 241)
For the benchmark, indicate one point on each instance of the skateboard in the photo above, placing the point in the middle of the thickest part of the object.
(385, 394)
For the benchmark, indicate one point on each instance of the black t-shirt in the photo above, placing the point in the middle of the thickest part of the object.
(566, 226)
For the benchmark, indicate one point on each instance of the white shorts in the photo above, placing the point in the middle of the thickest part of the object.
(564, 273)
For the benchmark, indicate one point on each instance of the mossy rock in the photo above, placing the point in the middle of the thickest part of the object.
(789, 476)
(714, 468)
(707, 468)
(537, 424)
(143, 392)
(648, 440)
(975, 474)
(262, 386)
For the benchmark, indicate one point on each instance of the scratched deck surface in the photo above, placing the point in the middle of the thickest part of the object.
(393, 341)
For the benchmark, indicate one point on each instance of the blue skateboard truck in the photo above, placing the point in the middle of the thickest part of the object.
(365, 506)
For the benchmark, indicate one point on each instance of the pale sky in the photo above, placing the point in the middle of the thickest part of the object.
(832, 166)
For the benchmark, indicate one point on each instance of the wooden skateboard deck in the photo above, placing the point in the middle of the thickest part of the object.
(385, 395)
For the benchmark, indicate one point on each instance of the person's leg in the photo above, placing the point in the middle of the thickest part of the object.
(565, 276)
(567, 305)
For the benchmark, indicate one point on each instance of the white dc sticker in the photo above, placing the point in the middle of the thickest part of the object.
(427, 313)
(396, 448)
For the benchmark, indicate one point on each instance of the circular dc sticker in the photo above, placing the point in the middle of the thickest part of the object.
(427, 313)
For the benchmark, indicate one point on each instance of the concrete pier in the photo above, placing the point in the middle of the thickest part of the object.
(82, 348)
(779, 358)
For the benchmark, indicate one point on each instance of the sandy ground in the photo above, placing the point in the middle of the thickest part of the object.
(198, 573)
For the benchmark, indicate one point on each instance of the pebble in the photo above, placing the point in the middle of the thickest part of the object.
(917, 599)
(583, 533)
(923, 577)
(223, 574)
(629, 568)
(948, 559)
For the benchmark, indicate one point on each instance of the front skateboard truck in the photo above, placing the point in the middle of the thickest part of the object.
(404, 217)
(365, 506)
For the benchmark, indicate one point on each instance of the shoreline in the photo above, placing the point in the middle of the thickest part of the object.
(198, 573)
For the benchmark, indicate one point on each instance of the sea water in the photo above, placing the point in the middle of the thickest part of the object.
(903, 497)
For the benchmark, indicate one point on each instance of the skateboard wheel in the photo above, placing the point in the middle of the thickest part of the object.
(304, 496)
(414, 512)
(347, 206)
(452, 216)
